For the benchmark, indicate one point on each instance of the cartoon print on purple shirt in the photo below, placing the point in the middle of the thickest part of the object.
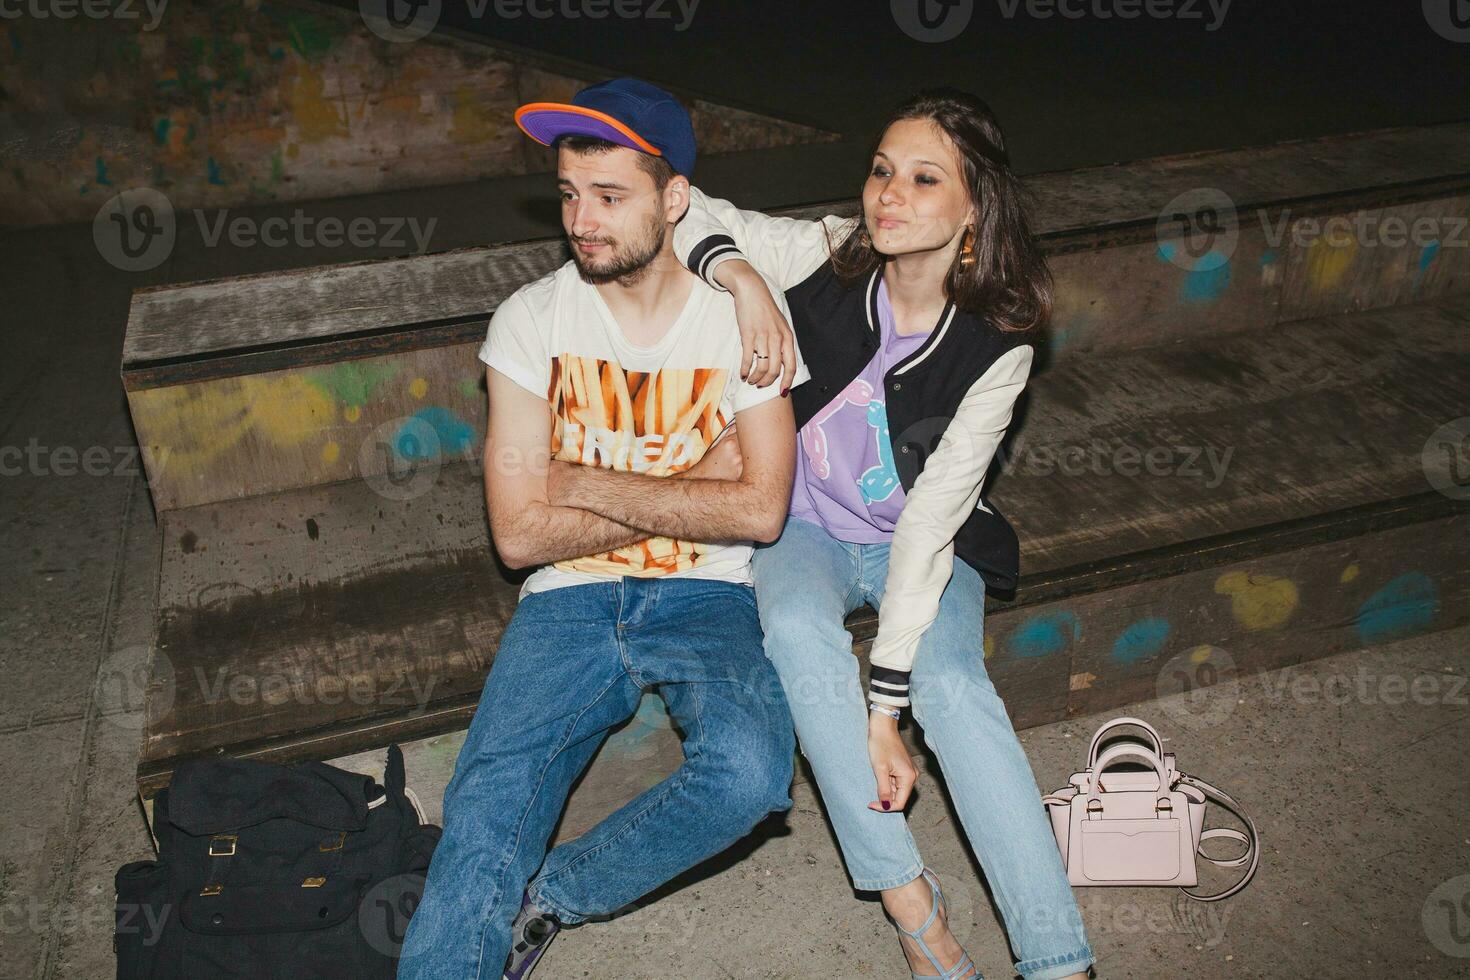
(814, 440)
(878, 482)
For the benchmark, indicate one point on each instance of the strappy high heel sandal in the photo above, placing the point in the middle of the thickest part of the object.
(964, 963)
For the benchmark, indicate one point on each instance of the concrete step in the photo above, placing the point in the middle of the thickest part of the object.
(1224, 505)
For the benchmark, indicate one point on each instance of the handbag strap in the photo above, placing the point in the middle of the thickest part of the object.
(1252, 840)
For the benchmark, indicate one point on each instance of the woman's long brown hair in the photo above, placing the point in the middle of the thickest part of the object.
(1008, 283)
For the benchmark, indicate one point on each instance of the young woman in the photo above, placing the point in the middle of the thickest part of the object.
(917, 320)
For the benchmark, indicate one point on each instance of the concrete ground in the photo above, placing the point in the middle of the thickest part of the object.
(1354, 768)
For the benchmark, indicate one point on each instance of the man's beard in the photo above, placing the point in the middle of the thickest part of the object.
(629, 263)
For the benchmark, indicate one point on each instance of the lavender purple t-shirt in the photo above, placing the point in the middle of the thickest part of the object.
(845, 476)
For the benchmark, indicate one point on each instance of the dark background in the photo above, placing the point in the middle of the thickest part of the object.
(1069, 92)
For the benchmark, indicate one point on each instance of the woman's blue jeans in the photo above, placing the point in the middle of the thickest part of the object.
(806, 583)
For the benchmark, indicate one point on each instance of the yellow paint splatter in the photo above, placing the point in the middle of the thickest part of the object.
(330, 452)
(1258, 602)
(418, 387)
(1349, 573)
(989, 645)
(198, 423)
(471, 122)
(317, 117)
(1329, 256)
(1200, 654)
(352, 413)
(288, 410)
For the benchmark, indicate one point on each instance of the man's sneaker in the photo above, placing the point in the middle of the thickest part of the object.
(531, 933)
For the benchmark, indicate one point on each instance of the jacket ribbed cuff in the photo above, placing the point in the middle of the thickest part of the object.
(702, 259)
(889, 687)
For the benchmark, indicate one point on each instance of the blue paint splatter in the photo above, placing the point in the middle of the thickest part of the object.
(102, 177)
(214, 173)
(1268, 257)
(160, 131)
(1205, 280)
(1076, 327)
(1427, 255)
(1407, 604)
(1041, 636)
(1141, 640)
(432, 431)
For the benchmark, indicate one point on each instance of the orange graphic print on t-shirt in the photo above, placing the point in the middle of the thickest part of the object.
(658, 423)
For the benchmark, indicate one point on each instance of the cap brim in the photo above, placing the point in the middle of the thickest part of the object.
(545, 121)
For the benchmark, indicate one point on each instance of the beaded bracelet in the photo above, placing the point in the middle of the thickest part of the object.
(893, 713)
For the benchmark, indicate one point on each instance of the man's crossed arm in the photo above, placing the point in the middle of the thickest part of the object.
(544, 511)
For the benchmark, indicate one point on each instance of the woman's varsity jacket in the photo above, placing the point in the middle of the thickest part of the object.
(948, 405)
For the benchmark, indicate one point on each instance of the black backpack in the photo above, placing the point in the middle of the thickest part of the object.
(272, 871)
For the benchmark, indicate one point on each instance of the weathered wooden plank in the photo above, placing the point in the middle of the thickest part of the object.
(168, 323)
(1228, 622)
(1377, 257)
(1077, 652)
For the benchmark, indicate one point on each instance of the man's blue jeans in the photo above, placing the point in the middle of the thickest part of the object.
(807, 582)
(572, 664)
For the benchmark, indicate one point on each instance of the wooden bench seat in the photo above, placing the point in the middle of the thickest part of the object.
(314, 622)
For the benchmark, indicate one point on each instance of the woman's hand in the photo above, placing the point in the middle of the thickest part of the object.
(892, 767)
(763, 327)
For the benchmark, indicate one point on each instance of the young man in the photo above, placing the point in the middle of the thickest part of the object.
(628, 368)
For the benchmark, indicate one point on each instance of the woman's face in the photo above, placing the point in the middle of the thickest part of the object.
(915, 197)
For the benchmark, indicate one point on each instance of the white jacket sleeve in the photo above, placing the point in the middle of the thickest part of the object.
(946, 493)
(787, 250)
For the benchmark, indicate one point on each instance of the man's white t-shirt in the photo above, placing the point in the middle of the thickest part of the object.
(653, 410)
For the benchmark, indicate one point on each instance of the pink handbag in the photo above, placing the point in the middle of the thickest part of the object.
(1142, 828)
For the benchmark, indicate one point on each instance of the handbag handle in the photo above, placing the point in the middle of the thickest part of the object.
(1132, 750)
(1123, 722)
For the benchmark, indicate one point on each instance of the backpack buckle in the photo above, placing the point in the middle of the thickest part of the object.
(222, 839)
(341, 839)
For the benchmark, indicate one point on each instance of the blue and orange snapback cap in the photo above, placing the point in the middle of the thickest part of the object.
(624, 111)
